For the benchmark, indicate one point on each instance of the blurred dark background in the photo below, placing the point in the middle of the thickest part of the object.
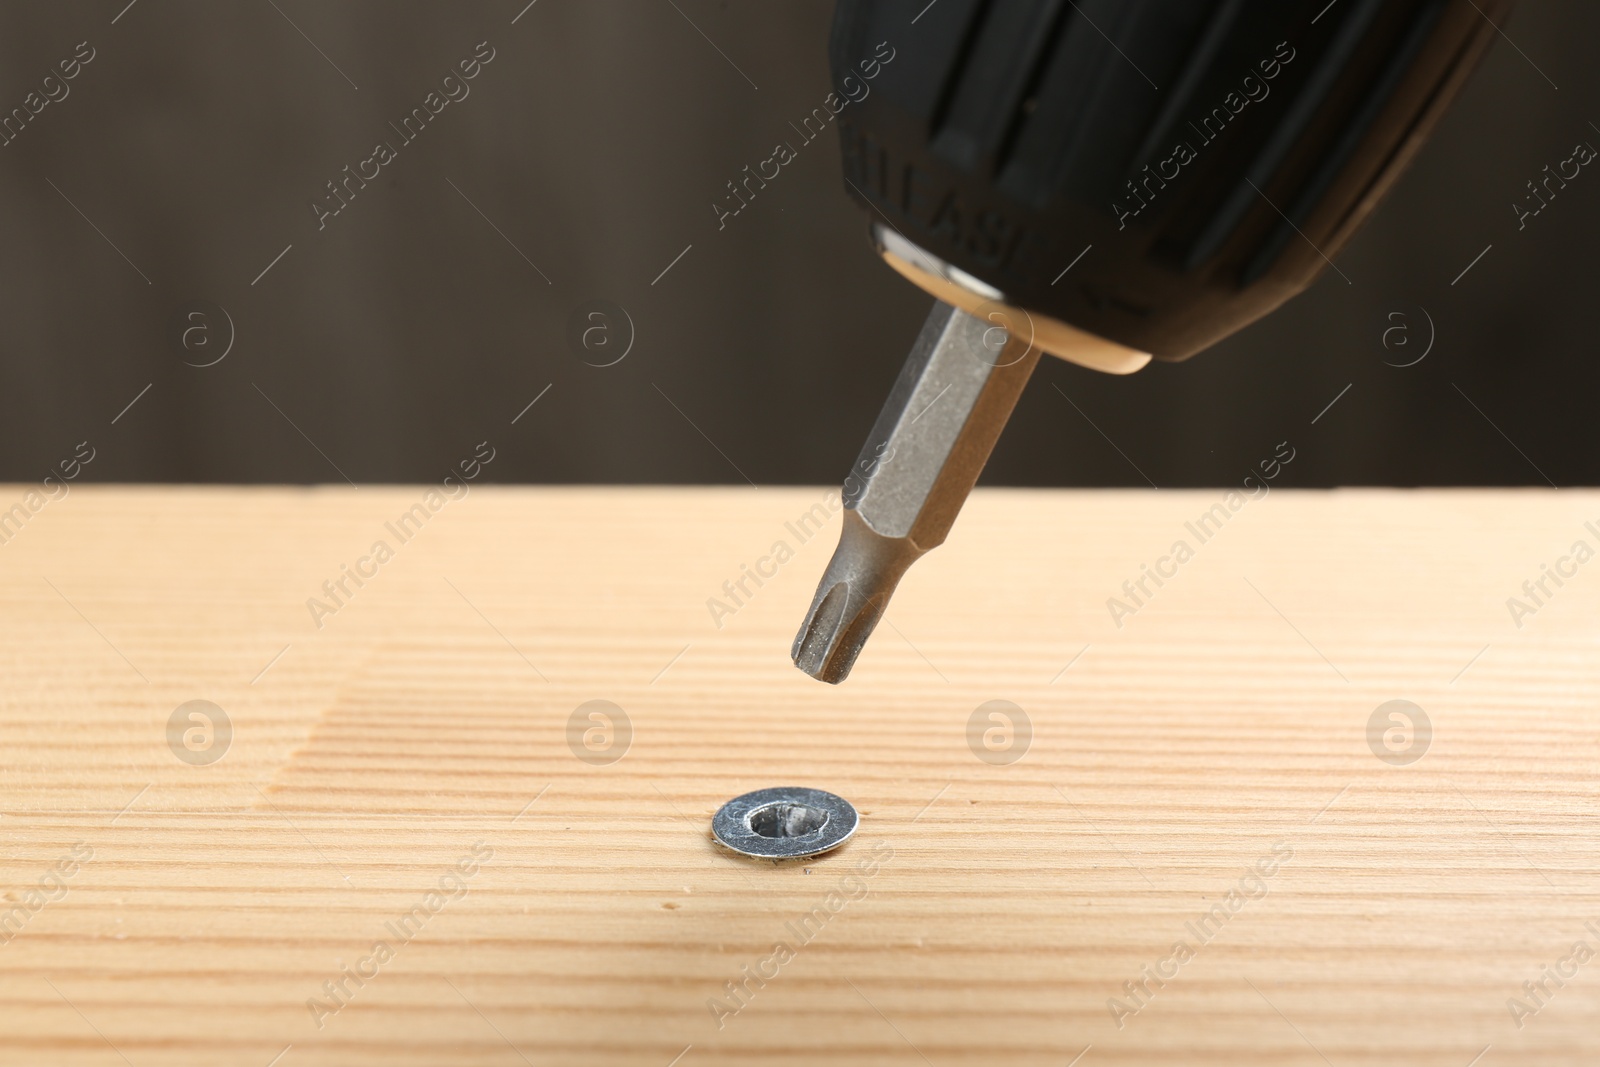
(432, 309)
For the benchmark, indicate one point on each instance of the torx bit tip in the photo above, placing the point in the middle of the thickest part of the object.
(932, 437)
(850, 599)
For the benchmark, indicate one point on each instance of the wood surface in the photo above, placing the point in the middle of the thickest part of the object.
(1006, 904)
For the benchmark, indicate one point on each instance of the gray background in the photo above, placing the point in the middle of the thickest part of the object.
(409, 329)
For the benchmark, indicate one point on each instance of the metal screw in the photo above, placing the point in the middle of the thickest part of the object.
(785, 822)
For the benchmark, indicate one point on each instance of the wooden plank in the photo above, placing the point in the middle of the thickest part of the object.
(986, 913)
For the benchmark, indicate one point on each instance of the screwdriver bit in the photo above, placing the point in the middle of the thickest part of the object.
(930, 442)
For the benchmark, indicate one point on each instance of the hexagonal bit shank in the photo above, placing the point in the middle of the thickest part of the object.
(931, 440)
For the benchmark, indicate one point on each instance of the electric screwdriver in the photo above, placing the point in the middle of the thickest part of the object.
(1106, 181)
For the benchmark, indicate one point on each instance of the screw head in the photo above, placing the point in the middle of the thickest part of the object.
(785, 822)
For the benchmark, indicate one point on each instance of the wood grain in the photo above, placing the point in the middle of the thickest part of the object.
(1006, 904)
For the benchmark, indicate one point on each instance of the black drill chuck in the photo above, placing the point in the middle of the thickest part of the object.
(1216, 154)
